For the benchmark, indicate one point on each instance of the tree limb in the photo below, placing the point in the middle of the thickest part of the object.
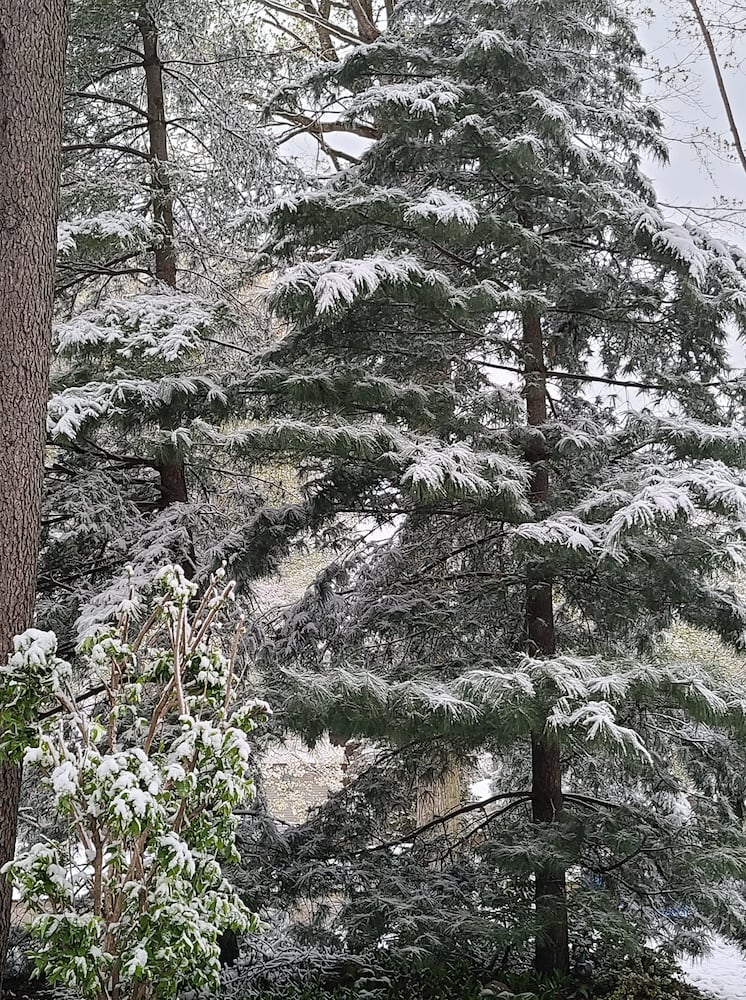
(710, 45)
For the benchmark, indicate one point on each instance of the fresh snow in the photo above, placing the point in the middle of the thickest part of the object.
(426, 97)
(163, 325)
(336, 282)
(127, 227)
(441, 206)
(722, 972)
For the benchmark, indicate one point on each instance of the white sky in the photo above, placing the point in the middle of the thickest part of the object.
(702, 170)
(699, 173)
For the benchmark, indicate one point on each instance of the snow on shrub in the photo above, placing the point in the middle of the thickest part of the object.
(145, 769)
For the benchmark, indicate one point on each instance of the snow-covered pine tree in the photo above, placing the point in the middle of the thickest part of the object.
(500, 349)
(167, 166)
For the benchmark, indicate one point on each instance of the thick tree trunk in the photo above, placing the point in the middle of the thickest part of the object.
(171, 469)
(551, 951)
(32, 47)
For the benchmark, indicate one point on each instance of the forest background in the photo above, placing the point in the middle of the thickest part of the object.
(382, 302)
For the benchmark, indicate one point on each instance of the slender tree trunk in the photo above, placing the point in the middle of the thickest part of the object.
(32, 48)
(163, 202)
(720, 80)
(551, 951)
(171, 468)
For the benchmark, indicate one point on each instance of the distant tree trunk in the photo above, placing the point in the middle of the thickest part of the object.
(444, 791)
(552, 950)
(32, 48)
(439, 796)
(720, 80)
(171, 468)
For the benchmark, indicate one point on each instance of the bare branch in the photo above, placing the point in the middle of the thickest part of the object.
(89, 95)
(316, 20)
(114, 146)
(710, 45)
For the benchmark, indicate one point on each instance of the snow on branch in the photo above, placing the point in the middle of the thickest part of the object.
(491, 40)
(72, 409)
(703, 254)
(598, 719)
(426, 97)
(125, 227)
(157, 325)
(443, 207)
(334, 283)
(710, 486)
(129, 901)
(562, 529)
(683, 430)
(424, 465)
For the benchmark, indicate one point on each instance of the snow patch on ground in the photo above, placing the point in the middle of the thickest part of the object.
(722, 972)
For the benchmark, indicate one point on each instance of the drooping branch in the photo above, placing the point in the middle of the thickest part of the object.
(442, 820)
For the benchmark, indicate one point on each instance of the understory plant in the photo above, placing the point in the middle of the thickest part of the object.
(145, 767)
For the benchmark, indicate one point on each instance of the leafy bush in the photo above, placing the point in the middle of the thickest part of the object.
(145, 768)
(647, 976)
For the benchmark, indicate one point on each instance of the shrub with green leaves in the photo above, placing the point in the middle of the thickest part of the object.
(648, 976)
(145, 768)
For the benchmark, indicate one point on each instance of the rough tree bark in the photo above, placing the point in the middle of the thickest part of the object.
(551, 950)
(439, 797)
(32, 48)
(171, 469)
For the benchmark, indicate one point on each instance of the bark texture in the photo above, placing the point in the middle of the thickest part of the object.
(551, 950)
(441, 796)
(171, 469)
(32, 47)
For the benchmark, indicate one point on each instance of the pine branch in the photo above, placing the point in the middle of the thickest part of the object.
(113, 146)
(440, 820)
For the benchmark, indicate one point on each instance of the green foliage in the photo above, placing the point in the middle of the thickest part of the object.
(146, 375)
(648, 976)
(145, 770)
(504, 197)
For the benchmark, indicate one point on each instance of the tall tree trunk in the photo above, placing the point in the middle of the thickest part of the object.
(32, 48)
(552, 950)
(171, 469)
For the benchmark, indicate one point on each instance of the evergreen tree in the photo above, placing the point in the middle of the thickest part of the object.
(167, 166)
(464, 310)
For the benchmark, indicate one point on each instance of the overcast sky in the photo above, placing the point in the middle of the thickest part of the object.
(697, 174)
